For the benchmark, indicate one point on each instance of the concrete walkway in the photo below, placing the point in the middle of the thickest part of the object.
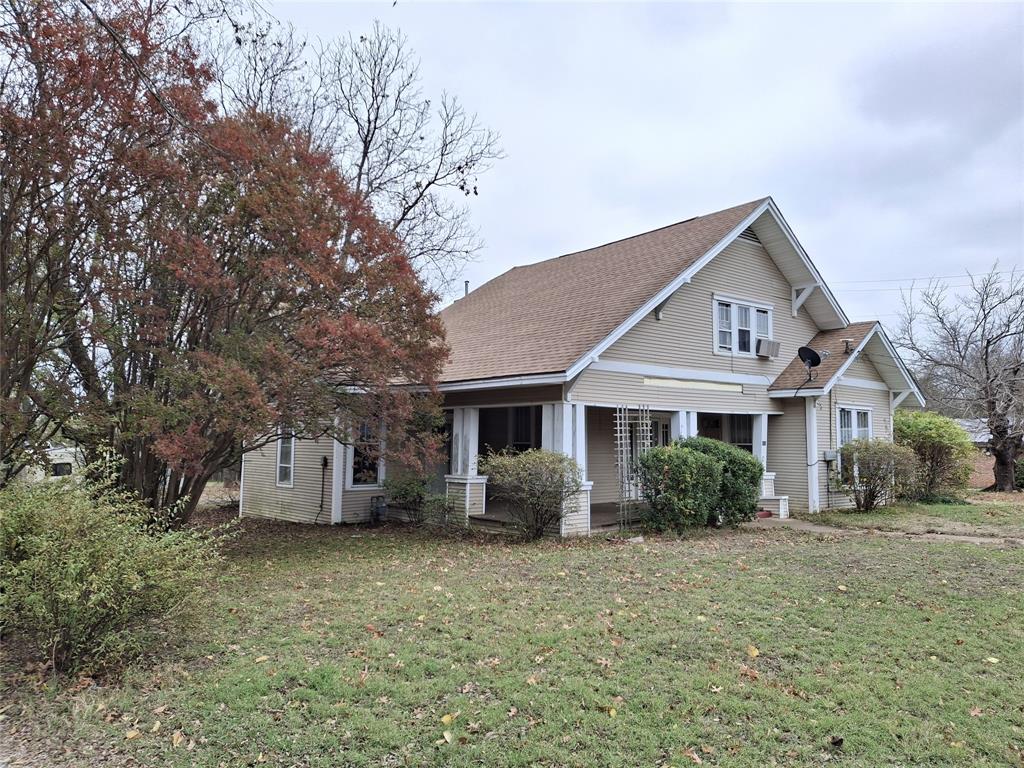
(819, 529)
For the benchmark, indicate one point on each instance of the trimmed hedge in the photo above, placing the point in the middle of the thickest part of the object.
(740, 486)
(680, 485)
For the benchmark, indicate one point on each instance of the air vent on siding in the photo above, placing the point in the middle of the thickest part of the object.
(748, 234)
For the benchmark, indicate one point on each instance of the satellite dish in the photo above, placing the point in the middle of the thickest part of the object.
(809, 357)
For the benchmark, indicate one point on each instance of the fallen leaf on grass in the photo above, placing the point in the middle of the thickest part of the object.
(176, 738)
(155, 728)
(841, 587)
(692, 754)
(449, 719)
(752, 651)
(133, 734)
(748, 672)
(261, 659)
(975, 711)
(992, 660)
(160, 710)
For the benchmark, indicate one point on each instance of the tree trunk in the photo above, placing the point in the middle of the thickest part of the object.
(1004, 467)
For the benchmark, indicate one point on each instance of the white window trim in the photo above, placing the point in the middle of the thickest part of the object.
(854, 409)
(754, 306)
(350, 484)
(277, 465)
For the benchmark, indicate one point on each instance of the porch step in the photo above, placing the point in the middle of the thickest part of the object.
(777, 505)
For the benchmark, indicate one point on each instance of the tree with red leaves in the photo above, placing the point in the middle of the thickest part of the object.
(233, 286)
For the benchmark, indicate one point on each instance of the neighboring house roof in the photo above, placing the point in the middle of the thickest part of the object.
(977, 429)
(838, 349)
(549, 317)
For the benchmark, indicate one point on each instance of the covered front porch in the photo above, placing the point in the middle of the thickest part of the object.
(602, 439)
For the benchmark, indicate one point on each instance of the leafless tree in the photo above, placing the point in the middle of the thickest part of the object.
(415, 160)
(970, 349)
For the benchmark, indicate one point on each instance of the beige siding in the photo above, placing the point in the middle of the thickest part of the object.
(862, 368)
(601, 455)
(357, 504)
(261, 497)
(576, 521)
(787, 453)
(684, 337)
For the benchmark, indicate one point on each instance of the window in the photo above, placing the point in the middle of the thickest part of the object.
(285, 460)
(741, 431)
(854, 423)
(60, 469)
(365, 458)
(738, 326)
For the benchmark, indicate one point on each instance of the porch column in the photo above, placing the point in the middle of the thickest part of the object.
(579, 437)
(760, 437)
(464, 486)
(677, 425)
(691, 424)
(811, 435)
(556, 427)
(564, 430)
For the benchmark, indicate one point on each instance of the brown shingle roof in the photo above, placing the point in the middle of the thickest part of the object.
(795, 374)
(542, 318)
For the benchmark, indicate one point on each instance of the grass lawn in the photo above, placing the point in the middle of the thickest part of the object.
(984, 514)
(336, 647)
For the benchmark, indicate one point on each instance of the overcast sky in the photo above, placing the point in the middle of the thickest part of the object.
(891, 137)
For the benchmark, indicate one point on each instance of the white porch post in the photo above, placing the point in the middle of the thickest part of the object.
(465, 441)
(811, 426)
(564, 430)
(579, 437)
(677, 425)
(464, 485)
(760, 437)
(691, 424)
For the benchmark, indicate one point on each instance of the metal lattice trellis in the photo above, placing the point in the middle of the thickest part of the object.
(633, 437)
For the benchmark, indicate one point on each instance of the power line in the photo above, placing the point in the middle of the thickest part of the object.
(923, 277)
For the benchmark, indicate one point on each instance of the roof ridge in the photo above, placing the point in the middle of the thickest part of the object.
(758, 201)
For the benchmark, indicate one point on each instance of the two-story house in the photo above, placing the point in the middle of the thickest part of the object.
(692, 329)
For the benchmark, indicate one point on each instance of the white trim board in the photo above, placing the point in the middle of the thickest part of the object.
(509, 381)
(671, 372)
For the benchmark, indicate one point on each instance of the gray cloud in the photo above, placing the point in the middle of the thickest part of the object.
(890, 135)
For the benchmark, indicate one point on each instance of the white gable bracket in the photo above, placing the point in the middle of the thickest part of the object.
(800, 294)
(900, 398)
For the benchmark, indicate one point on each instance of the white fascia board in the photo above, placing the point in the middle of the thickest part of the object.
(782, 393)
(784, 226)
(670, 372)
(510, 381)
(680, 280)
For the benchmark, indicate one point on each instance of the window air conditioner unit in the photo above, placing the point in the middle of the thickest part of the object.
(767, 348)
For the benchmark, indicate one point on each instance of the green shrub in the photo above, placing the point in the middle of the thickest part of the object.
(86, 580)
(408, 493)
(680, 485)
(944, 452)
(536, 485)
(876, 472)
(741, 478)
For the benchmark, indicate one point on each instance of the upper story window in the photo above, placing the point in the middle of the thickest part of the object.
(285, 460)
(738, 325)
